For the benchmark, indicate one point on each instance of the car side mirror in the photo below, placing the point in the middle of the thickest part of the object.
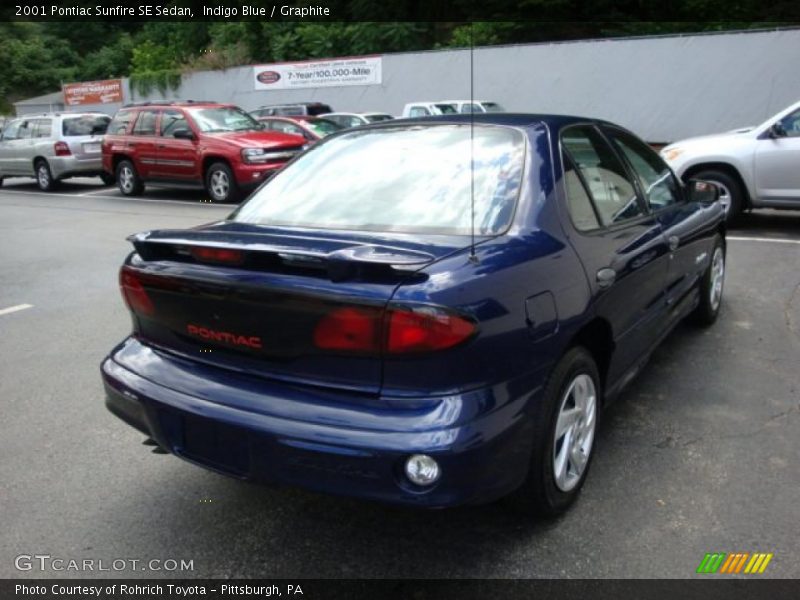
(702, 192)
(777, 130)
(183, 134)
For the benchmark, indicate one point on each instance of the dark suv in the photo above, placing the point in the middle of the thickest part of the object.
(217, 146)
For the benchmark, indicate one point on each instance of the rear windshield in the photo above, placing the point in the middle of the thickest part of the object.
(318, 109)
(399, 179)
(85, 125)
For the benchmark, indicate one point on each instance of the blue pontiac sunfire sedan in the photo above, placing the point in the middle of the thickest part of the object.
(430, 312)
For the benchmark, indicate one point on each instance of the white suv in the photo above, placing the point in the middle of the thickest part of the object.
(53, 146)
(754, 167)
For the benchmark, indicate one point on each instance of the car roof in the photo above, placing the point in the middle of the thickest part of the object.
(179, 104)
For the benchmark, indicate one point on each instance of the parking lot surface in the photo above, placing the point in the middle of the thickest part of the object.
(700, 454)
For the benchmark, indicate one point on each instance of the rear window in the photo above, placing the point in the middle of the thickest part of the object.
(446, 109)
(85, 125)
(318, 109)
(399, 179)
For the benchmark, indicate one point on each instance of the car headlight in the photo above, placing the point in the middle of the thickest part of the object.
(254, 155)
(670, 154)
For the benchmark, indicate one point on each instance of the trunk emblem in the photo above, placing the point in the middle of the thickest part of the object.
(226, 337)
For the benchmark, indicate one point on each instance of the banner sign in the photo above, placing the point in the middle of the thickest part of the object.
(365, 70)
(93, 92)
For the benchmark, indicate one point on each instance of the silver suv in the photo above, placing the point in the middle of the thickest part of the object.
(53, 146)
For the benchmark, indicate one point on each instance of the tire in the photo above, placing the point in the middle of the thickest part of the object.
(108, 179)
(550, 489)
(711, 286)
(220, 183)
(44, 178)
(128, 180)
(731, 192)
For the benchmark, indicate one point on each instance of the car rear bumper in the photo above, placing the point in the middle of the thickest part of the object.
(69, 166)
(342, 444)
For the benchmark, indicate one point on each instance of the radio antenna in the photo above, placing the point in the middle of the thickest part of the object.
(472, 256)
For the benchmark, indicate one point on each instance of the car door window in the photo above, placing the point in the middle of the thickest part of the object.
(44, 128)
(146, 123)
(579, 205)
(11, 130)
(418, 111)
(119, 124)
(791, 124)
(659, 185)
(613, 194)
(470, 108)
(172, 121)
(25, 130)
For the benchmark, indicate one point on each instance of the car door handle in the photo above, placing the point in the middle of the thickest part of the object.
(605, 277)
(673, 241)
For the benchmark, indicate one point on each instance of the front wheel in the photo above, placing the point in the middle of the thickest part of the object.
(711, 286)
(564, 435)
(44, 178)
(220, 183)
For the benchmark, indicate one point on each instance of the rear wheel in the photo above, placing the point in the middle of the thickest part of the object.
(44, 178)
(711, 286)
(563, 436)
(128, 180)
(731, 194)
(220, 184)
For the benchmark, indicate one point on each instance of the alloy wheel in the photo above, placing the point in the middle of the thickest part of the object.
(717, 278)
(575, 430)
(220, 185)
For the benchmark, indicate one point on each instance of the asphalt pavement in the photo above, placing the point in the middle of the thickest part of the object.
(701, 454)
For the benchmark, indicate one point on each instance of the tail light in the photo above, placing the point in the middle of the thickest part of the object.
(398, 331)
(133, 292)
(62, 149)
(217, 255)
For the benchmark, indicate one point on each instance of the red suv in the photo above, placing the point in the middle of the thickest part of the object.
(218, 146)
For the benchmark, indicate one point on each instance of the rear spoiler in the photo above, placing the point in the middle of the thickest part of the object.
(340, 260)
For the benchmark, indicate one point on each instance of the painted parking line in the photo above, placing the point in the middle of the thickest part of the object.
(96, 192)
(13, 309)
(760, 239)
(10, 191)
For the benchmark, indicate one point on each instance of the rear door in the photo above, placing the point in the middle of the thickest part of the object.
(620, 243)
(685, 224)
(142, 144)
(178, 158)
(777, 161)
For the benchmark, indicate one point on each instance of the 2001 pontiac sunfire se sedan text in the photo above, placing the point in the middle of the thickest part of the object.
(340, 332)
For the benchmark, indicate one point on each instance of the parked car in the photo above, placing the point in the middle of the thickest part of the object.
(426, 109)
(754, 167)
(311, 128)
(203, 144)
(298, 109)
(474, 106)
(348, 120)
(380, 332)
(51, 147)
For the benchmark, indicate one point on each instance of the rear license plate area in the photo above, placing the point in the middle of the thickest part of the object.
(217, 445)
(91, 148)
